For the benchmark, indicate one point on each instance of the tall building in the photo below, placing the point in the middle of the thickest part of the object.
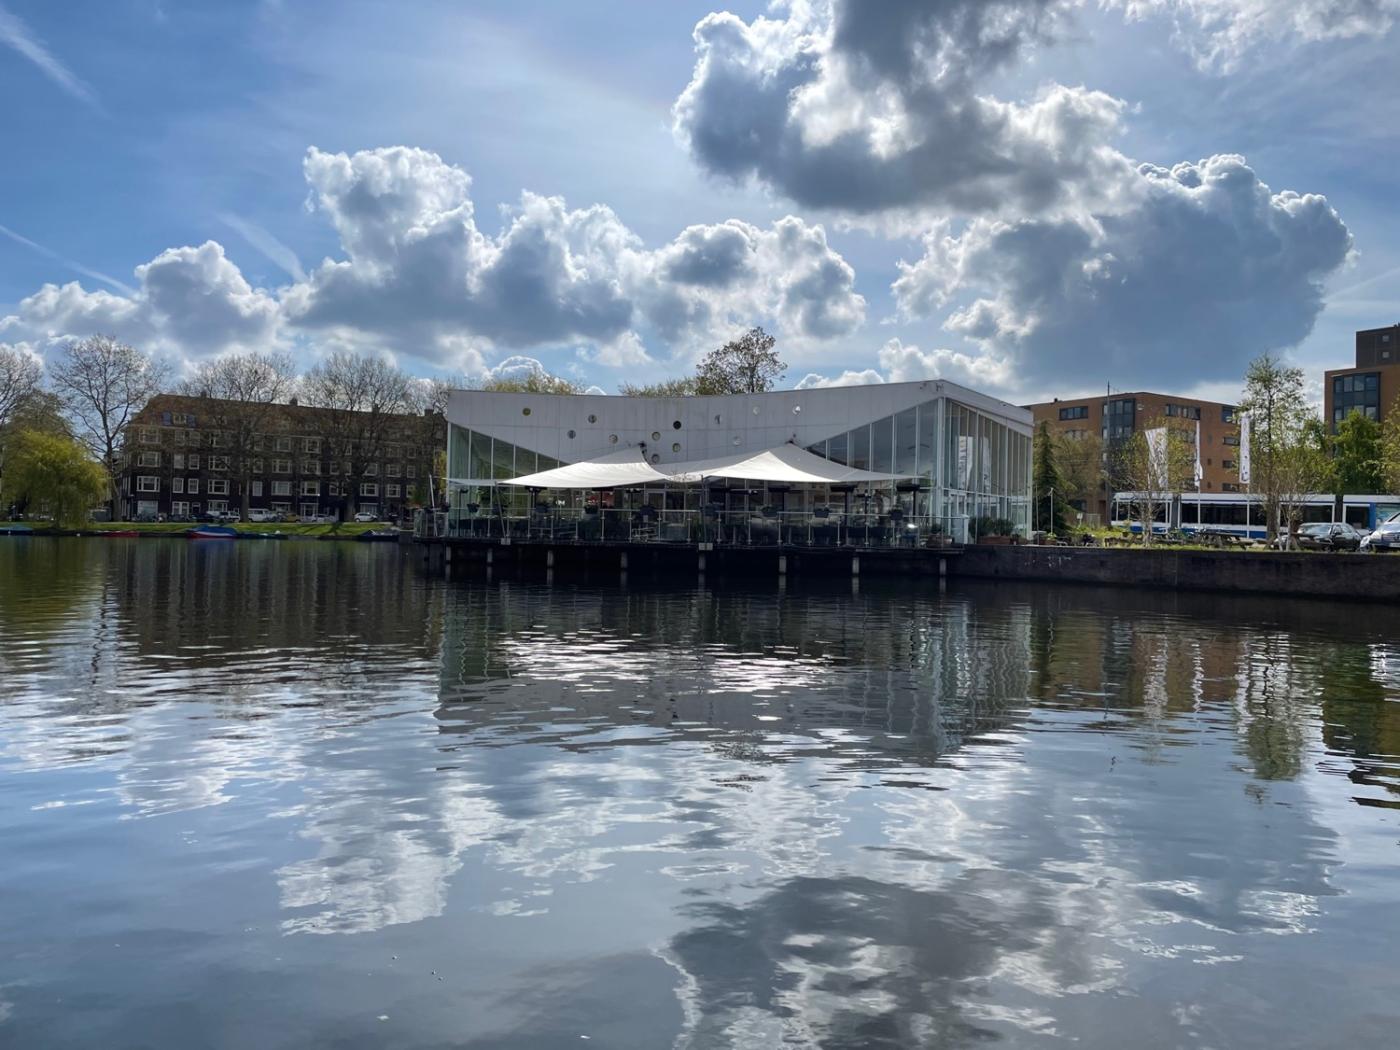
(1114, 417)
(178, 461)
(1372, 384)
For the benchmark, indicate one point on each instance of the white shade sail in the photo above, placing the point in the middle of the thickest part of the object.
(786, 463)
(628, 467)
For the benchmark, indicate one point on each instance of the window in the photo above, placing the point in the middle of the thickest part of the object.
(1230, 439)
(1076, 412)
(369, 488)
(257, 466)
(179, 437)
(1229, 486)
(284, 444)
(333, 488)
(148, 436)
(1119, 418)
(310, 488)
(1228, 464)
(180, 509)
(372, 470)
(1360, 392)
(281, 466)
(256, 489)
(395, 470)
(1184, 411)
(281, 508)
(148, 459)
(281, 488)
(213, 440)
(177, 485)
(412, 471)
(218, 463)
(180, 419)
(218, 504)
(335, 467)
(310, 466)
(313, 446)
(192, 486)
(309, 510)
(178, 460)
(193, 461)
(1227, 413)
(218, 487)
(393, 491)
(147, 484)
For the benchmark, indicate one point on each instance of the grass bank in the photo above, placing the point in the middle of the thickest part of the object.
(340, 530)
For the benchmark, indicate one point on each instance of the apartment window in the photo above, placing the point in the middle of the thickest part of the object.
(180, 509)
(192, 486)
(369, 488)
(256, 489)
(281, 508)
(412, 471)
(309, 510)
(310, 466)
(281, 466)
(284, 444)
(257, 466)
(178, 460)
(218, 504)
(177, 485)
(193, 461)
(1184, 411)
(148, 436)
(1360, 392)
(1075, 412)
(218, 487)
(180, 419)
(1228, 464)
(372, 470)
(148, 459)
(281, 488)
(333, 488)
(147, 484)
(1227, 413)
(310, 488)
(313, 446)
(393, 491)
(179, 437)
(1230, 439)
(218, 463)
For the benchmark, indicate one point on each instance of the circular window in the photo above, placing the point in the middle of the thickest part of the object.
(676, 425)
(525, 411)
(572, 434)
(592, 419)
(796, 410)
(655, 458)
(656, 435)
(676, 446)
(755, 410)
(612, 439)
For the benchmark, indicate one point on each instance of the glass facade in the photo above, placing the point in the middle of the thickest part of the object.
(1360, 392)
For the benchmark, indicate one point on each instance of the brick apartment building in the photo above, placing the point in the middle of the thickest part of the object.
(1117, 416)
(1371, 385)
(176, 463)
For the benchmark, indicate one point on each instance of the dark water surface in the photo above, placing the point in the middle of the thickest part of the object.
(304, 795)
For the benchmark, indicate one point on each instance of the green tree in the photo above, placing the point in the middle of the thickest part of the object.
(1280, 453)
(1157, 464)
(1080, 460)
(1049, 487)
(1390, 448)
(535, 381)
(682, 387)
(54, 474)
(747, 365)
(1358, 455)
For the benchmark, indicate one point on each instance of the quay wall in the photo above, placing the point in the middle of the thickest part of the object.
(1354, 577)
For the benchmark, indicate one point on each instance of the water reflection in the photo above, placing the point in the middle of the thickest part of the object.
(670, 815)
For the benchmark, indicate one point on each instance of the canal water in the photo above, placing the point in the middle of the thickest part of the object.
(284, 795)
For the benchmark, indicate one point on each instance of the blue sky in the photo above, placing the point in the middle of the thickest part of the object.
(897, 190)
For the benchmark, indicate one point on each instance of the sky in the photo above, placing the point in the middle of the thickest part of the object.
(1037, 198)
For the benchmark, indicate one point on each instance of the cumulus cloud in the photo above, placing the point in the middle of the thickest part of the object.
(188, 301)
(1204, 270)
(1219, 32)
(417, 266)
(419, 277)
(907, 364)
(883, 108)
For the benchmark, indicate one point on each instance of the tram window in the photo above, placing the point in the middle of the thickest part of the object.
(1357, 515)
(1319, 512)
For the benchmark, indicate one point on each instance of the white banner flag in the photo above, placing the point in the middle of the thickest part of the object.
(1198, 475)
(1156, 458)
(1244, 447)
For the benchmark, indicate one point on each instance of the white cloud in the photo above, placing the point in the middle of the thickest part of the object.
(907, 364)
(15, 34)
(883, 109)
(190, 302)
(1218, 33)
(1207, 268)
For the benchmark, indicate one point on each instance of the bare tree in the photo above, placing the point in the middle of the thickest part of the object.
(1278, 417)
(242, 391)
(360, 398)
(1156, 463)
(20, 375)
(102, 384)
(428, 399)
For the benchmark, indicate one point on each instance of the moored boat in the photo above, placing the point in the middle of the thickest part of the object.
(14, 528)
(212, 532)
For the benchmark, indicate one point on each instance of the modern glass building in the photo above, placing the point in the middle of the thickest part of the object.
(931, 452)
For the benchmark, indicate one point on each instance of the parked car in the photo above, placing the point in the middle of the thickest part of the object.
(1327, 536)
(365, 516)
(1385, 538)
(260, 515)
(221, 517)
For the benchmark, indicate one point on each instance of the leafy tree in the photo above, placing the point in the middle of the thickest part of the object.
(360, 398)
(1156, 463)
(1080, 460)
(40, 410)
(1280, 453)
(747, 365)
(53, 473)
(1390, 448)
(20, 374)
(1358, 455)
(682, 387)
(102, 384)
(1049, 489)
(536, 381)
(243, 392)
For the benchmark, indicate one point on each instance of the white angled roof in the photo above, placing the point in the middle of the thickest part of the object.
(629, 467)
